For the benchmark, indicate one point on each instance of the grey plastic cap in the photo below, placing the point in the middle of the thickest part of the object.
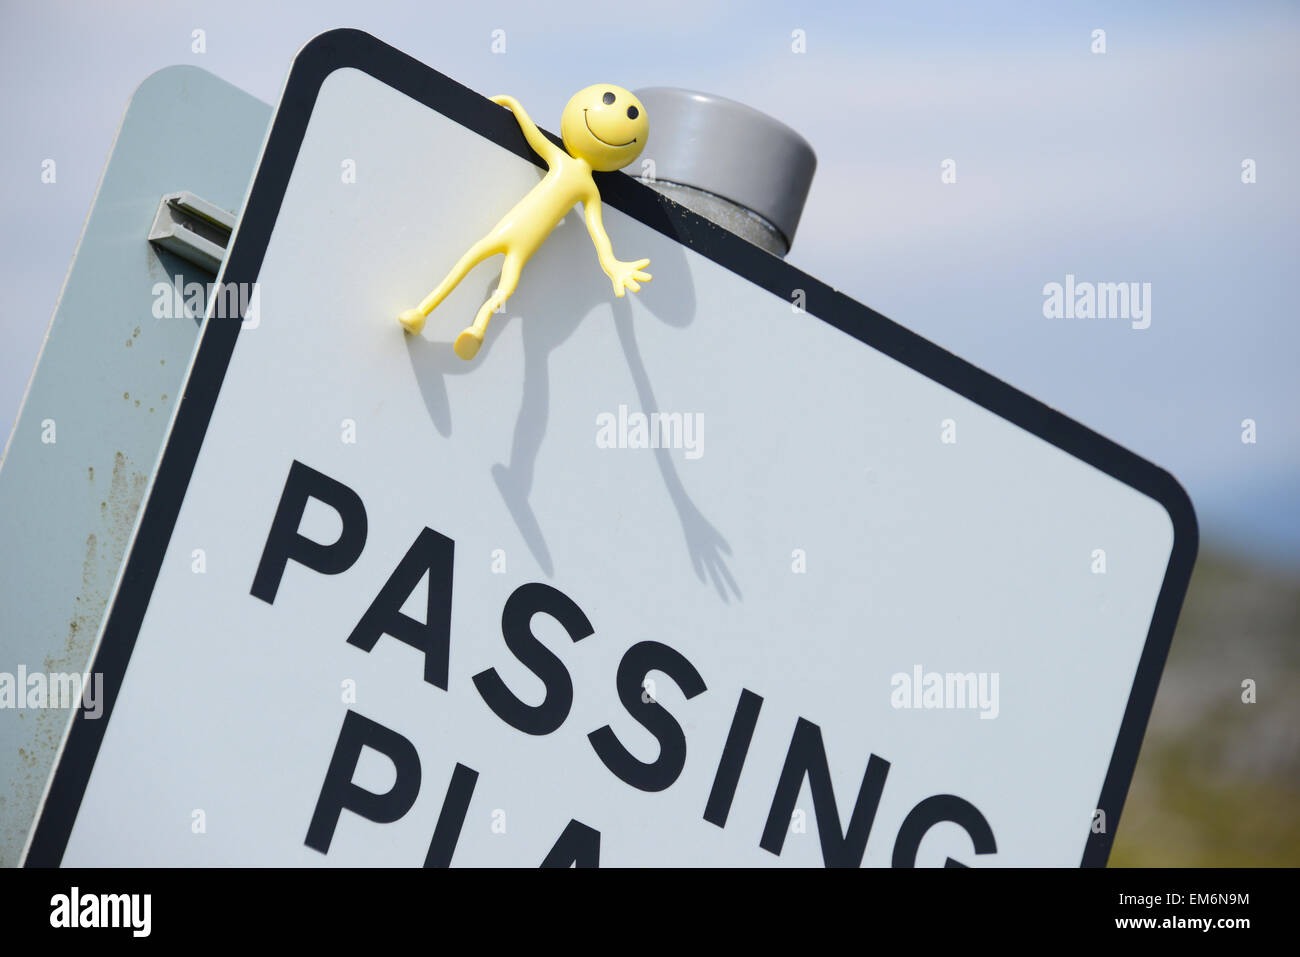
(731, 150)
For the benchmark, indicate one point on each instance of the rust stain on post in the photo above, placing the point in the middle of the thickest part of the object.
(105, 551)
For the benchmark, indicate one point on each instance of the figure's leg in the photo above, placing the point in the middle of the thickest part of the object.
(413, 319)
(468, 342)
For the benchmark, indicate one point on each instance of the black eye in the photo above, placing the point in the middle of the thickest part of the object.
(632, 113)
(608, 98)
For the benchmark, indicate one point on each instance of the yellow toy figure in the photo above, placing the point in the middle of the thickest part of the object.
(603, 128)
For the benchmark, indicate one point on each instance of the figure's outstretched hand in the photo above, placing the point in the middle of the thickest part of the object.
(709, 551)
(628, 275)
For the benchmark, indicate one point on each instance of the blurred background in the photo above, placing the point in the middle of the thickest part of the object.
(1117, 166)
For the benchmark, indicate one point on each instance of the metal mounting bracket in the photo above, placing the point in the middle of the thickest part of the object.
(193, 229)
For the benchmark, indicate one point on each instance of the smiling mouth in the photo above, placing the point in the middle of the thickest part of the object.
(606, 142)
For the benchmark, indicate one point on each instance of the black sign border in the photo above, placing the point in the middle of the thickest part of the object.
(340, 49)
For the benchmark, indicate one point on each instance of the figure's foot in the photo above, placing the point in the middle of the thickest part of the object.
(412, 321)
(514, 492)
(467, 343)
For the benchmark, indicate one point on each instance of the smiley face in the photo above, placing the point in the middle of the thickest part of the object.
(604, 125)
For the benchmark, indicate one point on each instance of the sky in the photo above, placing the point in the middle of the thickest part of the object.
(1122, 166)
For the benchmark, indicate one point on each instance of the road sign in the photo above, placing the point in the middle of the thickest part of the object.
(733, 570)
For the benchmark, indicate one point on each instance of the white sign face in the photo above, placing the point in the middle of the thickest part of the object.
(864, 604)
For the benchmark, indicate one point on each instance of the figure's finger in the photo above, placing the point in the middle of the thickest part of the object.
(632, 284)
(730, 580)
(640, 264)
(643, 276)
(618, 289)
(717, 581)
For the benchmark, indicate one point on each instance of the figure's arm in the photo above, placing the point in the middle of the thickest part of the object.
(535, 137)
(624, 275)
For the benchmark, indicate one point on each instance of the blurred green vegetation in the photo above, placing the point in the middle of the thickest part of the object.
(1218, 780)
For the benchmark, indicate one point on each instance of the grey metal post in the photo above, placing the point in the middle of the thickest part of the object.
(735, 166)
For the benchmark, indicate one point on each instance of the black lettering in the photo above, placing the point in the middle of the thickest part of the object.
(579, 845)
(942, 807)
(734, 753)
(451, 819)
(640, 659)
(283, 543)
(432, 555)
(338, 793)
(807, 757)
(516, 627)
